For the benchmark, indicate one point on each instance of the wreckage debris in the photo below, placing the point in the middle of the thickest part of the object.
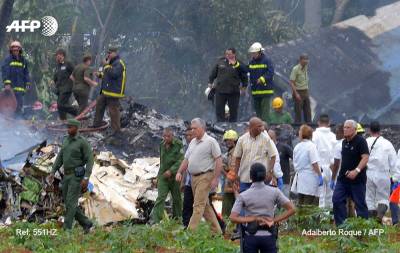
(118, 191)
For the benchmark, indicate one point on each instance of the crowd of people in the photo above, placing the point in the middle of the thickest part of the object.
(69, 80)
(260, 172)
(328, 170)
(230, 78)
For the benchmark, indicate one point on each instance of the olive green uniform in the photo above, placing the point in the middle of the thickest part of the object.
(64, 89)
(280, 118)
(229, 196)
(81, 89)
(170, 159)
(75, 152)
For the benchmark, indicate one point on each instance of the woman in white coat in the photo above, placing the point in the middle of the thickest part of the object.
(308, 176)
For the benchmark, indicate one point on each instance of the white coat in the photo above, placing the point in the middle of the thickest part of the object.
(306, 179)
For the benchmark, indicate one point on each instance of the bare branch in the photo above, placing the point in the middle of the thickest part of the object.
(97, 13)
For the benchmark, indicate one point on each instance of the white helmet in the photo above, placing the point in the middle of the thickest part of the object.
(256, 47)
(207, 91)
(15, 43)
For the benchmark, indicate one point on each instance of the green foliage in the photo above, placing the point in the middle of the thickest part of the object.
(168, 236)
(310, 217)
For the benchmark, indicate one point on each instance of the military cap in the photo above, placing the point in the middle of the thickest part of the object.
(112, 49)
(73, 122)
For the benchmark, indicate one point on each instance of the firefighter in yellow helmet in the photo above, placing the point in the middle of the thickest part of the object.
(230, 139)
(278, 115)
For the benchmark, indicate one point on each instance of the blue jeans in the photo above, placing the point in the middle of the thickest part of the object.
(262, 244)
(356, 192)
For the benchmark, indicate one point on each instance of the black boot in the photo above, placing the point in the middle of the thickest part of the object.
(381, 210)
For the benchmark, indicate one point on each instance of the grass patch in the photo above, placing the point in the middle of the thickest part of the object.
(169, 236)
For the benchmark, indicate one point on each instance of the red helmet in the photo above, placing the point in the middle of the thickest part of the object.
(37, 106)
(53, 107)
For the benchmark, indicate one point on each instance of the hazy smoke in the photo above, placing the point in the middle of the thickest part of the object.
(14, 138)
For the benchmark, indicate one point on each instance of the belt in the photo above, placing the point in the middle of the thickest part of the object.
(68, 171)
(201, 173)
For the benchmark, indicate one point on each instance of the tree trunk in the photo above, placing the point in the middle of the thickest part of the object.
(76, 44)
(5, 17)
(312, 15)
(339, 10)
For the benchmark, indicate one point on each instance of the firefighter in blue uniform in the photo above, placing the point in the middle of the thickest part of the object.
(261, 72)
(112, 91)
(15, 73)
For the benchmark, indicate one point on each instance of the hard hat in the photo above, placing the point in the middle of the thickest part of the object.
(277, 103)
(15, 43)
(360, 129)
(231, 135)
(226, 109)
(256, 47)
(53, 107)
(37, 106)
(207, 91)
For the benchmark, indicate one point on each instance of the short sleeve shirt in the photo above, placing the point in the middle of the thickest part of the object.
(251, 150)
(304, 155)
(299, 76)
(351, 156)
(259, 200)
(79, 73)
(201, 154)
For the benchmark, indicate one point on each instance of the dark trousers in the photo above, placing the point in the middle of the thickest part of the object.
(19, 96)
(233, 102)
(304, 106)
(82, 99)
(262, 106)
(308, 200)
(227, 203)
(187, 205)
(113, 106)
(343, 190)
(64, 106)
(259, 244)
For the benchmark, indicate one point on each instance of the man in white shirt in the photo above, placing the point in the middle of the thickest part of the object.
(325, 141)
(381, 166)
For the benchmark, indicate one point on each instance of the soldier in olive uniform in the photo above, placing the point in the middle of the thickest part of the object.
(83, 81)
(63, 85)
(171, 156)
(74, 155)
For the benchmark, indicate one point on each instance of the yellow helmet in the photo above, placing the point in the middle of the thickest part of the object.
(231, 135)
(277, 103)
(360, 129)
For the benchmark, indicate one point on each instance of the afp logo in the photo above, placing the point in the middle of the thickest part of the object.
(48, 25)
